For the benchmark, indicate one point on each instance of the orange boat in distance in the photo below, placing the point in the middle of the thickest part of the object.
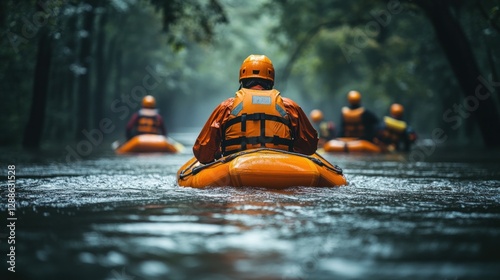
(347, 145)
(265, 168)
(148, 143)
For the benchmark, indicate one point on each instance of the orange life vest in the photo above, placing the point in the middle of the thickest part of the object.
(353, 122)
(148, 125)
(258, 119)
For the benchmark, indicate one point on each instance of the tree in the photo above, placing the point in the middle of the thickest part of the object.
(85, 60)
(367, 43)
(34, 128)
(184, 22)
(461, 58)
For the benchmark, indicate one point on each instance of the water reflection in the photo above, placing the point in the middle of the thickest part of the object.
(126, 218)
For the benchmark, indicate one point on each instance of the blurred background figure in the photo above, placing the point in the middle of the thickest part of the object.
(357, 121)
(146, 120)
(326, 129)
(395, 133)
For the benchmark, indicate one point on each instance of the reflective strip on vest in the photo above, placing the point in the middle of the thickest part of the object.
(258, 119)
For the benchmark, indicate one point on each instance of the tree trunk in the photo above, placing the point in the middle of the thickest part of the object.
(83, 107)
(101, 72)
(464, 65)
(119, 73)
(34, 128)
(70, 80)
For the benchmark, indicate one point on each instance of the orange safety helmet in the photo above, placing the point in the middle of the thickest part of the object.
(354, 97)
(257, 66)
(397, 110)
(148, 102)
(316, 115)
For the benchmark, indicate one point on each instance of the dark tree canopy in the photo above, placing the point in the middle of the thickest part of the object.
(67, 65)
(95, 41)
(400, 50)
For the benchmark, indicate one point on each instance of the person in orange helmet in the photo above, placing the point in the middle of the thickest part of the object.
(146, 120)
(395, 133)
(257, 116)
(326, 129)
(357, 121)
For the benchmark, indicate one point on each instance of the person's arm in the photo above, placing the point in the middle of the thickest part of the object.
(207, 145)
(409, 138)
(341, 132)
(372, 118)
(306, 137)
(130, 125)
(371, 123)
(333, 130)
(163, 129)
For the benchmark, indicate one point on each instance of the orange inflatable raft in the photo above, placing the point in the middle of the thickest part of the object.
(147, 143)
(345, 145)
(264, 167)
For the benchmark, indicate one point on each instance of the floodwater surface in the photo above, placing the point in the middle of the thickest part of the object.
(125, 217)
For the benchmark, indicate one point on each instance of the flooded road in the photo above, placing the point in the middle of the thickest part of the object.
(124, 217)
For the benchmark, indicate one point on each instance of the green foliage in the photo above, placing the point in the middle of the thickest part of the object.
(129, 41)
(190, 20)
(385, 49)
(320, 49)
(17, 53)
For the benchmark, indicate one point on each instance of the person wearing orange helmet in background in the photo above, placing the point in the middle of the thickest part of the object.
(326, 129)
(257, 116)
(357, 121)
(395, 133)
(146, 120)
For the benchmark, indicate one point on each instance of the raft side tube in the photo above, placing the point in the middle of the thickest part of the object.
(264, 167)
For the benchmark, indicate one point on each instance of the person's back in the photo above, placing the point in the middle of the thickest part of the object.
(146, 120)
(357, 121)
(395, 133)
(256, 117)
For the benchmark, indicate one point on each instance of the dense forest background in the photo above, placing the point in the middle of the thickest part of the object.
(74, 70)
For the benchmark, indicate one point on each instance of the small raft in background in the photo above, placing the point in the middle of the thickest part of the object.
(265, 168)
(149, 143)
(346, 145)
